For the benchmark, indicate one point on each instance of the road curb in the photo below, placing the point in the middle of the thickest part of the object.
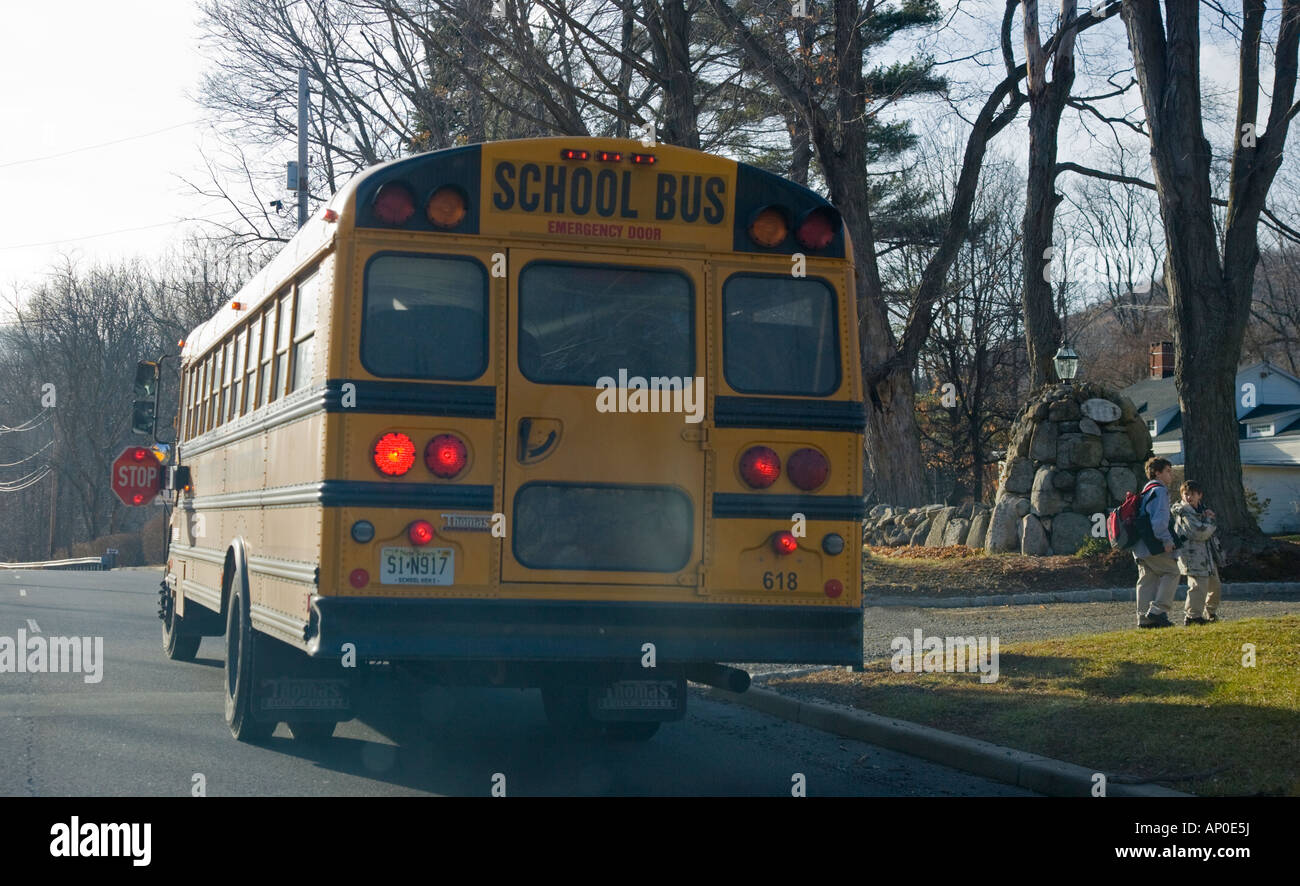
(1241, 590)
(1033, 772)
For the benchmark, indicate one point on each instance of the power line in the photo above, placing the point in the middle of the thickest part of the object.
(116, 141)
(105, 234)
(30, 425)
(14, 464)
(30, 480)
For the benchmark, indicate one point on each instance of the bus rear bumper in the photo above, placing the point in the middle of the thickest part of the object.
(588, 631)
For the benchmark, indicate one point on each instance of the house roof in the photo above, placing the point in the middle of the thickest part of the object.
(1269, 410)
(1172, 431)
(1153, 396)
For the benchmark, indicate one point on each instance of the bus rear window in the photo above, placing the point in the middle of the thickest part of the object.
(425, 317)
(779, 335)
(578, 323)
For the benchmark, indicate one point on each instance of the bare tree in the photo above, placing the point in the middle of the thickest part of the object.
(1210, 280)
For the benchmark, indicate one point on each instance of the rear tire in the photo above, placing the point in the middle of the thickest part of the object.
(242, 661)
(176, 643)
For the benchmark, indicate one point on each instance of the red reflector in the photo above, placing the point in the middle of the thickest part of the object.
(394, 454)
(817, 229)
(331, 215)
(609, 156)
(647, 159)
(394, 204)
(833, 588)
(359, 578)
(759, 467)
(808, 469)
(420, 532)
(784, 543)
(572, 154)
(446, 456)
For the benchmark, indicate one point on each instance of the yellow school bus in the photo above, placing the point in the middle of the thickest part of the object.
(575, 414)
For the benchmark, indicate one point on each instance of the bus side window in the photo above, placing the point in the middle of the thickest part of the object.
(237, 376)
(254, 354)
(266, 381)
(283, 325)
(304, 328)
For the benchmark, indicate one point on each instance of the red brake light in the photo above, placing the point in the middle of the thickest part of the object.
(420, 532)
(394, 454)
(808, 469)
(817, 229)
(446, 456)
(759, 467)
(784, 542)
(394, 204)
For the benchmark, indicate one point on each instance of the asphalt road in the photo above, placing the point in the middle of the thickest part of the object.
(153, 727)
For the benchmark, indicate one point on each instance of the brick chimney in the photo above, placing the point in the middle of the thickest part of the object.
(1162, 359)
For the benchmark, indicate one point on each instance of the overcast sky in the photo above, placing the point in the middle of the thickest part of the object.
(81, 73)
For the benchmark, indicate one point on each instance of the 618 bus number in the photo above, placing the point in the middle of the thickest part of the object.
(780, 581)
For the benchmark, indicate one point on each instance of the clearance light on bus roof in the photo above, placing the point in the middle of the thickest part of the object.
(420, 532)
(446, 207)
(394, 204)
(768, 227)
(784, 543)
(647, 159)
(446, 456)
(817, 228)
(808, 469)
(571, 154)
(609, 156)
(394, 454)
(759, 467)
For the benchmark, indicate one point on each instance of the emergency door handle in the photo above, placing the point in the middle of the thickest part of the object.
(525, 431)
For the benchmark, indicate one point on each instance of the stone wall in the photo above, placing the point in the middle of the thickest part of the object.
(932, 525)
(1075, 451)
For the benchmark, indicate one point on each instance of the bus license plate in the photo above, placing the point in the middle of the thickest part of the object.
(422, 566)
(639, 695)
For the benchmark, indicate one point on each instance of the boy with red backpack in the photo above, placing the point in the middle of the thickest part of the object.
(1157, 569)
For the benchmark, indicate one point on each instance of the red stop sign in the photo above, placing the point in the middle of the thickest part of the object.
(136, 476)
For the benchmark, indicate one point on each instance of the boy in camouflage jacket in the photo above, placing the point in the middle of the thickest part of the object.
(1196, 558)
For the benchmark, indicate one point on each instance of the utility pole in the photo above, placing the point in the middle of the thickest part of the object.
(302, 147)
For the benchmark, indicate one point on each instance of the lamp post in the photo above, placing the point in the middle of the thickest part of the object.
(1067, 363)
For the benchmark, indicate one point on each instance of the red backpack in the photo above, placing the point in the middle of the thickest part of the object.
(1122, 522)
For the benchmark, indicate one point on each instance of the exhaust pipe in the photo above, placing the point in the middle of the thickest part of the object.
(720, 676)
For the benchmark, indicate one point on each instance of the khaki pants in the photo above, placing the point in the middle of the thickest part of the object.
(1157, 582)
(1202, 595)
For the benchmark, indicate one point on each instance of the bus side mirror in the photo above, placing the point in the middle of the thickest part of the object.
(143, 420)
(142, 417)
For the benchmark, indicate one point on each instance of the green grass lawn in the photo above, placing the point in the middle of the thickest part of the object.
(1175, 705)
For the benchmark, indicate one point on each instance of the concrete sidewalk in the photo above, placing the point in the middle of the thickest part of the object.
(1030, 771)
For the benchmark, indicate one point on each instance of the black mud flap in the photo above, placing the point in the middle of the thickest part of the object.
(288, 685)
(638, 700)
